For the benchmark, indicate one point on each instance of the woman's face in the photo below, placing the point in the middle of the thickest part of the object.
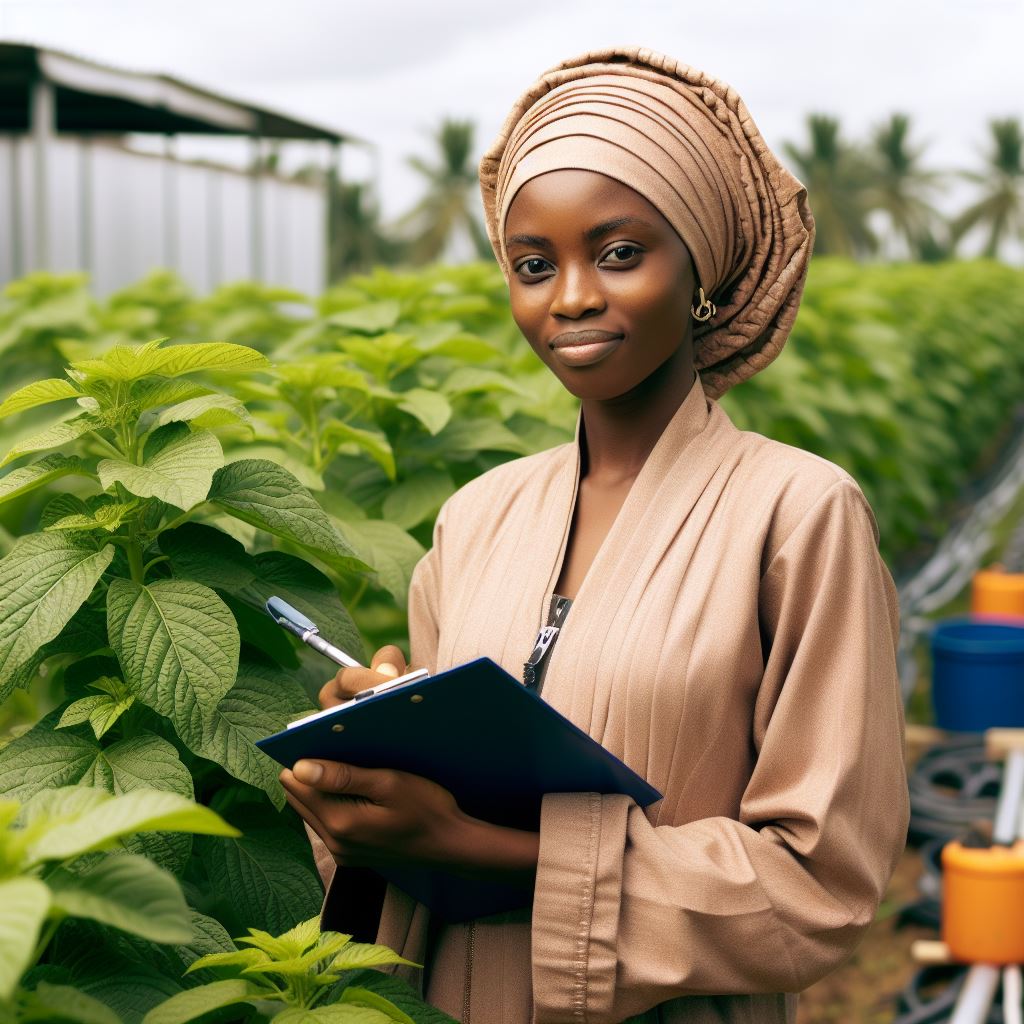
(600, 283)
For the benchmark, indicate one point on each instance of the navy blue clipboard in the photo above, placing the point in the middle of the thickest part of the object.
(481, 734)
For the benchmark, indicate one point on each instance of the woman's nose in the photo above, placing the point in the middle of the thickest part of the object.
(577, 293)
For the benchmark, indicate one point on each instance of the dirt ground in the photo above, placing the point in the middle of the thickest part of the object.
(863, 990)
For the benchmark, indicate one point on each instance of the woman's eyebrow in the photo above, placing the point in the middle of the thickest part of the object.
(538, 241)
(591, 234)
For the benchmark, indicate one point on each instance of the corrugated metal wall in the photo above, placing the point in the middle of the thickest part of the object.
(119, 214)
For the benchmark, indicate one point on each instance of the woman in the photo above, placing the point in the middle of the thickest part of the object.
(727, 626)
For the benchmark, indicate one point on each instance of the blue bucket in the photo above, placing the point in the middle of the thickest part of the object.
(978, 675)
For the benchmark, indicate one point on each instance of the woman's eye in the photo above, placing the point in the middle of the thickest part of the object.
(621, 254)
(534, 267)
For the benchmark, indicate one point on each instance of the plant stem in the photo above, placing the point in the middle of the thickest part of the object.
(153, 561)
(178, 520)
(358, 595)
(106, 445)
(45, 938)
(134, 552)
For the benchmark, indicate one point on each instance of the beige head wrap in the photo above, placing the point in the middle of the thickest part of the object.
(686, 142)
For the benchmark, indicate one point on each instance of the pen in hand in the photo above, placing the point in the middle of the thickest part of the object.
(307, 631)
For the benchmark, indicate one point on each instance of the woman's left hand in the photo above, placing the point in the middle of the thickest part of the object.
(370, 817)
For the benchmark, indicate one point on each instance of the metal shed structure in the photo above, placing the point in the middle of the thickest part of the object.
(74, 196)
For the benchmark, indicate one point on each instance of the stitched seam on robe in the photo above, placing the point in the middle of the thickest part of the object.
(581, 965)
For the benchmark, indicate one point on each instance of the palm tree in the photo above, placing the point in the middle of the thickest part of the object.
(357, 240)
(446, 212)
(1000, 210)
(837, 177)
(900, 188)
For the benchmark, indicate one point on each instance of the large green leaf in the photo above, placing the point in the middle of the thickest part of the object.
(123, 363)
(467, 379)
(261, 702)
(418, 498)
(41, 392)
(126, 892)
(178, 646)
(196, 1002)
(401, 994)
(103, 824)
(270, 498)
(65, 1004)
(365, 954)
(264, 878)
(25, 902)
(374, 442)
(27, 478)
(210, 409)
(43, 582)
(129, 988)
(431, 408)
(375, 1001)
(178, 468)
(209, 556)
(369, 319)
(339, 1013)
(53, 436)
(34, 763)
(389, 549)
(470, 436)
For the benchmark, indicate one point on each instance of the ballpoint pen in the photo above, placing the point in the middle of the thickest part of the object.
(308, 632)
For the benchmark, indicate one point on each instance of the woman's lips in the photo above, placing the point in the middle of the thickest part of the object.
(583, 348)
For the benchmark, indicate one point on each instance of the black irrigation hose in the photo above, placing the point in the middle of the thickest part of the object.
(931, 994)
(926, 912)
(952, 787)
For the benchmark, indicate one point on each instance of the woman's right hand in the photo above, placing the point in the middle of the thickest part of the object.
(387, 663)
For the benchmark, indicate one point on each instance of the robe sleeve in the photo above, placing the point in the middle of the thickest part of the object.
(628, 915)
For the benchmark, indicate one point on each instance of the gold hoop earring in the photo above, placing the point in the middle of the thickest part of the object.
(705, 310)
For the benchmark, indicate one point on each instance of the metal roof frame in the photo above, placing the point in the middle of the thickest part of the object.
(93, 97)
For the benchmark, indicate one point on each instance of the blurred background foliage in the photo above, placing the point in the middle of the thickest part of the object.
(392, 389)
(873, 199)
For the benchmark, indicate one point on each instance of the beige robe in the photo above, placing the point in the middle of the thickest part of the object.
(734, 643)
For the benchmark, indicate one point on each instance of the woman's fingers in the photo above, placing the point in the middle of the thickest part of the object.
(387, 663)
(390, 660)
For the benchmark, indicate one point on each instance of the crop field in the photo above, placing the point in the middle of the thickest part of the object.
(167, 462)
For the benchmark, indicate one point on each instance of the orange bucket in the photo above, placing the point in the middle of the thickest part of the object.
(983, 903)
(996, 592)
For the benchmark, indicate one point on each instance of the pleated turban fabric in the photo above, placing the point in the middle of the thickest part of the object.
(686, 142)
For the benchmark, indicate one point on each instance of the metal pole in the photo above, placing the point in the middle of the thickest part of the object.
(256, 195)
(169, 186)
(17, 241)
(85, 211)
(333, 242)
(1008, 815)
(976, 996)
(214, 229)
(42, 126)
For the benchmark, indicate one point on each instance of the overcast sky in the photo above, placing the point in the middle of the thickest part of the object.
(389, 70)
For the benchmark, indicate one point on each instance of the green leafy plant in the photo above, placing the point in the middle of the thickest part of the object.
(53, 866)
(304, 975)
(144, 615)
